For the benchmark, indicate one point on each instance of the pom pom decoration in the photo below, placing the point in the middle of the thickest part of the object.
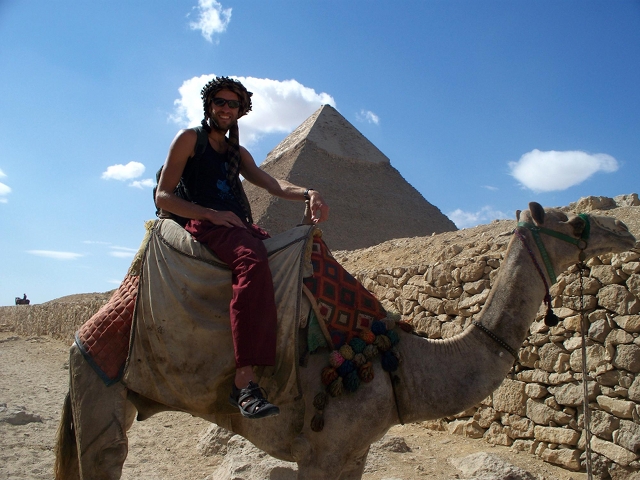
(335, 359)
(357, 344)
(328, 375)
(317, 422)
(346, 368)
(393, 336)
(359, 359)
(320, 401)
(347, 352)
(378, 328)
(365, 372)
(383, 343)
(336, 388)
(367, 336)
(389, 361)
(371, 351)
(351, 381)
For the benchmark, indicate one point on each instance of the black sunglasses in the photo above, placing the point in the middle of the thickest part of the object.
(219, 102)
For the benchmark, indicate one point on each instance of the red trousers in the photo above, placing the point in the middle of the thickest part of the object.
(252, 308)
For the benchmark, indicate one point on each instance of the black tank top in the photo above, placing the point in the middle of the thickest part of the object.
(206, 181)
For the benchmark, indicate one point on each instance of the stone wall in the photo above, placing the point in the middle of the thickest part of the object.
(538, 408)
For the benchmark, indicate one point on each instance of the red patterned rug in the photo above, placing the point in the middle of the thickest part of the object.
(345, 305)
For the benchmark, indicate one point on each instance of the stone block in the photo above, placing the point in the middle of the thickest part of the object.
(466, 428)
(589, 302)
(612, 451)
(631, 268)
(597, 355)
(496, 434)
(603, 424)
(599, 330)
(510, 397)
(549, 354)
(619, 408)
(530, 376)
(542, 414)
(485, 416)
(535, 390)
(565, 457)
(628, 358)
(633, 284)
(606, 274)
(618, 299)
(473, 271)
(629, 323)
(617, 336)
(517, 426)
(634, 390)
(564, 436)
(590, 286)
(572, 394)
(628, 436)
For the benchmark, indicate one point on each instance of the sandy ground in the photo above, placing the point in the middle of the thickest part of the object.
(34, 378)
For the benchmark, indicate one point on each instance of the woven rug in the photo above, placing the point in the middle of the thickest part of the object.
(345, 306)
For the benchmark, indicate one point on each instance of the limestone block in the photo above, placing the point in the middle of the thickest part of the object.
(589, 302)
(431, 304)
(628, 436)
(541, 414)
(599, 330)
(572, 394)
(478, 299)
(535, 390)
(450, 330)
(590, 286)
(619, 408)
(385, 280)
(633, 284)
(631, 268)
(557, 288)
(528, 356)
(565, 457)
(485, 416)
(559, 378)
(629, 323)
(439, 275)
(472, 272)
(538, 339)
(627, 200)
(402, 280)
(572, 343)
(564, 436)
(606, 274)
(612, 451)
(417, 280)
(496, 434)
(618, 299)
(410, 292)
(407, 306)
(430, 326)
(466, 428)
(510, 397)
(530, 376)
(597, 355)
(549, 354)
(628, 358)
(564, 312)
(603, 424)
(517, 426)
(453, 292)
(473, 288)
(609, 379)
(573, 323)
(634, 390)
(562, 365)
(618, 336)
(522, 445)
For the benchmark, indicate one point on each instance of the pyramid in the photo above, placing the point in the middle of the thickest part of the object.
(369, 200)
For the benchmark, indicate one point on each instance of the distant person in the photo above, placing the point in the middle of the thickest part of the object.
(218, 215)
(24, 296)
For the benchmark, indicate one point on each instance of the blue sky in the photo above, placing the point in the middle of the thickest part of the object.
(481, 106)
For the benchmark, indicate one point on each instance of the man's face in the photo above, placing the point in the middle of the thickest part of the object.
(224, 115)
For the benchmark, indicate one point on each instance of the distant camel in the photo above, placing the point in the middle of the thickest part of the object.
(438, 378)
(23, 301)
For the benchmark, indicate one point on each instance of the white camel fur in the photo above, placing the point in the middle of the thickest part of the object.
(438, 378)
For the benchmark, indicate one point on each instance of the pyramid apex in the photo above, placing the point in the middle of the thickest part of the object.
(331, 132)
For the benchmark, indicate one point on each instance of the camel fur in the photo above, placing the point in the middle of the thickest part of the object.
(438, 378)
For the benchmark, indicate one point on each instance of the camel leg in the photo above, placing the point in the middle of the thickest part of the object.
(101, 416)
(354, 469)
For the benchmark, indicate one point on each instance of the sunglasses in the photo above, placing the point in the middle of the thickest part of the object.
(219, 102)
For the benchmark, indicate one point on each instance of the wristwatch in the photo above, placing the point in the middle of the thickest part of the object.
(306, 193)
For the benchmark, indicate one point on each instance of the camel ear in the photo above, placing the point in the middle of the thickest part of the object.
(537, 212)
(518, 212)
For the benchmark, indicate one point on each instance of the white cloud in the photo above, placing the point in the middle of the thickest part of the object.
(490, 187)
(212, 18)
(123, 172)
(122, 252)
(278, 106)
(552, 171)
(146, 183)
(56, 255)
(2, 174)
(464, 219)
(115, 282)
(368, 116)
(95, 242)
(4, 190)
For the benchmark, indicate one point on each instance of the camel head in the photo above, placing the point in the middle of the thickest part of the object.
(574, 238)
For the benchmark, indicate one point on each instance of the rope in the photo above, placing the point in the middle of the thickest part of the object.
(496, 339)
(585, 377)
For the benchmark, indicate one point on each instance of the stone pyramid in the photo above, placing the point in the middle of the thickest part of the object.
(369, 200)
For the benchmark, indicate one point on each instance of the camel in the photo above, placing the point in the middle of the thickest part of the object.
(23, 301)
(437, 378)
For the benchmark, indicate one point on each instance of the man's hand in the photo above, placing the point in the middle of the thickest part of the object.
(224, 218)
(319, 209)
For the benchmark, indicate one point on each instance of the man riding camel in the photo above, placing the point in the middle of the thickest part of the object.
(218, 215)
